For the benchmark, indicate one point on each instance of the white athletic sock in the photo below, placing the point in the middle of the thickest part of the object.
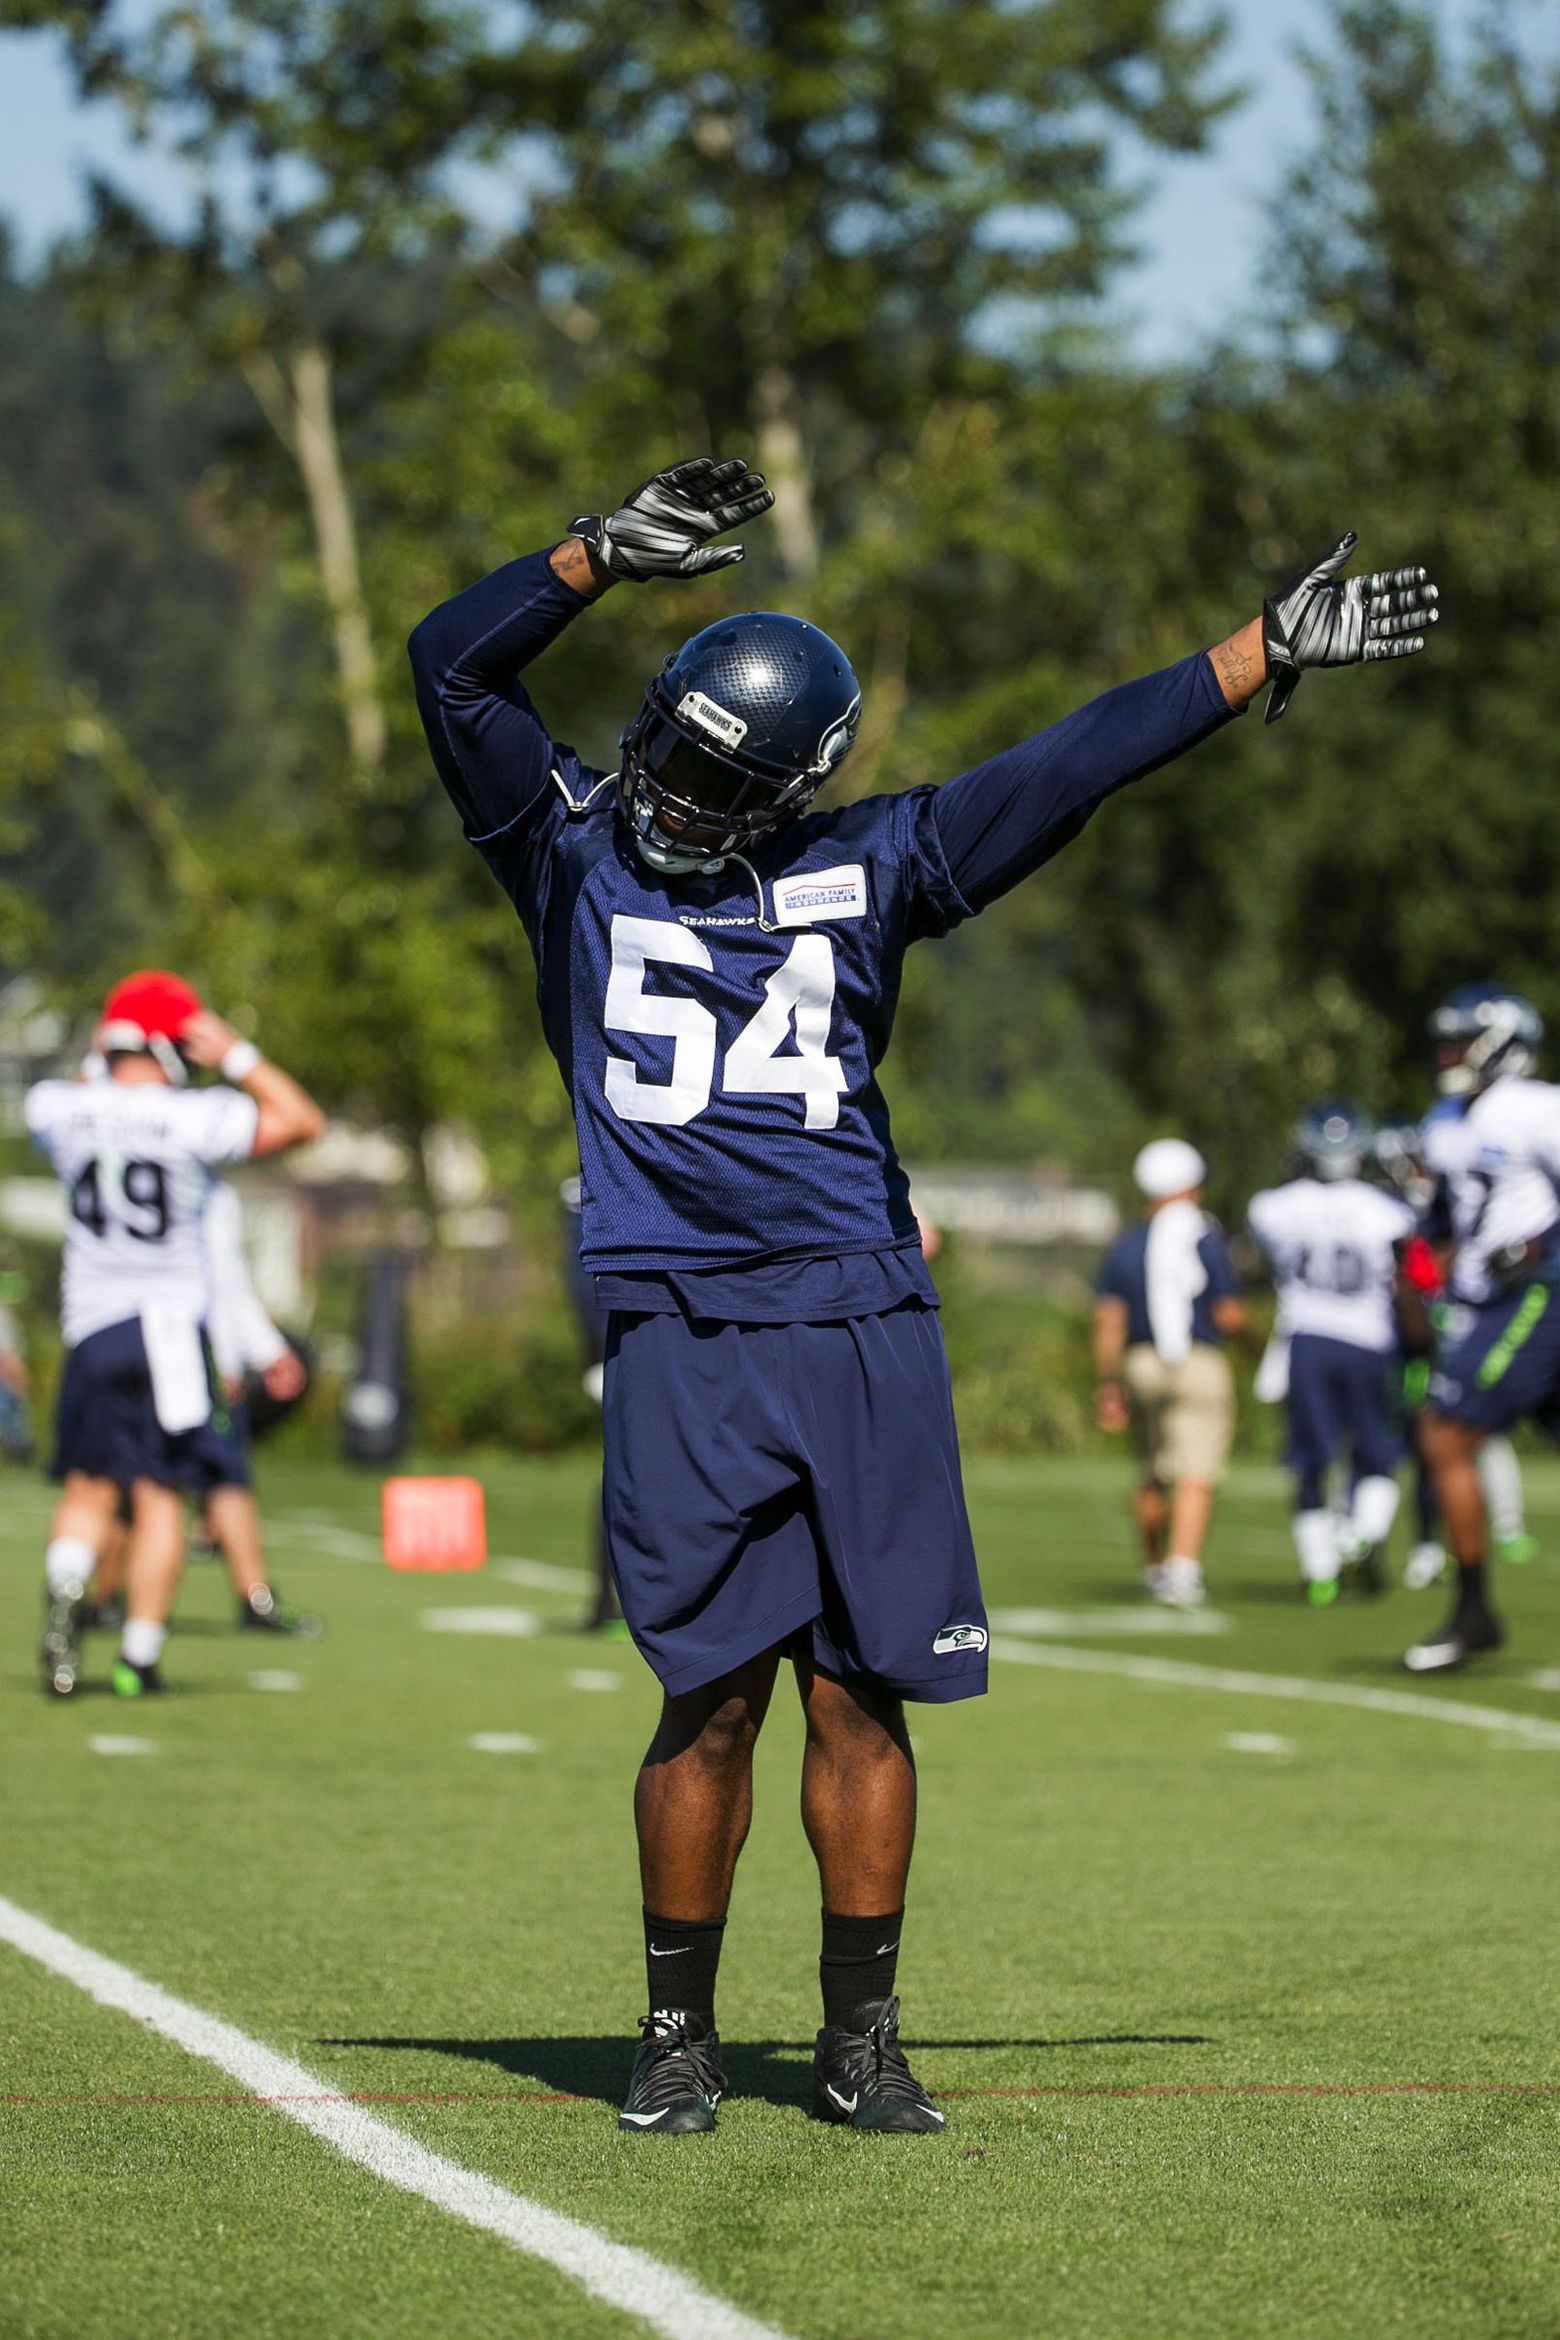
(142, 1644)
(1500, 1475)
(1375, 1508)
(1317, 1545)
(68, 1564)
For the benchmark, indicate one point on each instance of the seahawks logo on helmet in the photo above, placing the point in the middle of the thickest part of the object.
(736, 735)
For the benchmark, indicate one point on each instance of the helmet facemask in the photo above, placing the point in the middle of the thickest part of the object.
(1481, 1044)
(693, 793)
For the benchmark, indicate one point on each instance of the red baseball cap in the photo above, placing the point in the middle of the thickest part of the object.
(146, 1013)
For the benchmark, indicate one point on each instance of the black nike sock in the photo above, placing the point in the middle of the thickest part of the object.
(1472, 1600)
(859, 1960)
(682, 1957)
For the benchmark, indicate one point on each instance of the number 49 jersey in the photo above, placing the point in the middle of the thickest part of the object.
(135, 1159)
(1330, 1244)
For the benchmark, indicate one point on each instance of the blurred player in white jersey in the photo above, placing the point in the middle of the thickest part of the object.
(1498, 1222)
(137, 1410)
(1330, 1239)
(1406, 1155)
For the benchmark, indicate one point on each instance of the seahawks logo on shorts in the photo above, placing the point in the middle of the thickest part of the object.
(955, 1637)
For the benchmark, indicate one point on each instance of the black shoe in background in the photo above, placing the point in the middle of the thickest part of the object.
(1469, 1631)
(263, 1612)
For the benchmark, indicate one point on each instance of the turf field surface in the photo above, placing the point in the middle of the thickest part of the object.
(1241, 2004)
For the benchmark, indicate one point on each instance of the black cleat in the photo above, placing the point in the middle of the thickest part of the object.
(105, 1616)
(861, 2078)
(59, 1652)
(1468, 1633)
(1366, 1572)
(132, 1681)
(262, 1612)
(677, 2081)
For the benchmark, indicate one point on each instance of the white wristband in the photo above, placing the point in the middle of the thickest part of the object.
(240, 1061)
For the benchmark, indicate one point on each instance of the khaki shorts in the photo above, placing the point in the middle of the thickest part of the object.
(1183, 1415)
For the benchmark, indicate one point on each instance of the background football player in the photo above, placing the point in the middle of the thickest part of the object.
(718, 968)
(137, 1411)
(1166, 1300)
(1330, 1239)
(1499, 1358)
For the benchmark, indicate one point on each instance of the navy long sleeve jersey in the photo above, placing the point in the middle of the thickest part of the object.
(735, 1151)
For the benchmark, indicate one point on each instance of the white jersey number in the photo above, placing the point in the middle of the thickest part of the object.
(133, 1195)
(799, 994)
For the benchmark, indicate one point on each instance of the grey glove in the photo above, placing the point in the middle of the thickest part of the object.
(663, 528)
(1324, 619)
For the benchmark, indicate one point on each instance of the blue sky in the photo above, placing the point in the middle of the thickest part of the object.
(1201, 231)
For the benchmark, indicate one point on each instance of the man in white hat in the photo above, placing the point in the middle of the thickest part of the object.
(1167, 1297)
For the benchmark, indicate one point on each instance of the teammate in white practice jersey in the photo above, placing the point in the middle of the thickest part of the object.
(138, 1414)
(1329, 1238)
(1497, 1222)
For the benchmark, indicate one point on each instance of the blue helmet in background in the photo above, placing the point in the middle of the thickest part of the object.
(737, 733)
(1483, 1032)
(1333, 1139)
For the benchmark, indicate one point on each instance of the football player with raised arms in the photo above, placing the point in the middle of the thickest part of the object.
(137, 1415)
(1330, 1239)
(718, 966)
(1497, 1218)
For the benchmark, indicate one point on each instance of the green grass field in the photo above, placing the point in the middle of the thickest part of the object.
(1242, 2006)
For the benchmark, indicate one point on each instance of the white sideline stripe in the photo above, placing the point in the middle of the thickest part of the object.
(615, 2273)
(1177, 1674)
(1123, 1623)
(507, 1624)
(351, 1544)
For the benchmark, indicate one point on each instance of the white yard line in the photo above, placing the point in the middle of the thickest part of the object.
(1177, 1674)
(615, 2273)
(339, 1543)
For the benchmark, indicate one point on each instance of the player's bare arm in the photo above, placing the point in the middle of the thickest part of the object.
(288, 1114)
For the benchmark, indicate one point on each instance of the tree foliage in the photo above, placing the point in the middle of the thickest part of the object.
(863, 245)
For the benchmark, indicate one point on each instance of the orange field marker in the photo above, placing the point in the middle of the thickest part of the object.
(434, 1523)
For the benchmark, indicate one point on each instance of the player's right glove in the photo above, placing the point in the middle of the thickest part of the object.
(1324, 619)
(663, 528)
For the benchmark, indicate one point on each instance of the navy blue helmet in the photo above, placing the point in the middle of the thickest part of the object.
(1481, 1032)
(737, 733)
(1333, 1139)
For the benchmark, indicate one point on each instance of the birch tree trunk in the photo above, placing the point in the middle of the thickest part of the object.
(782, 458)
(297, 400)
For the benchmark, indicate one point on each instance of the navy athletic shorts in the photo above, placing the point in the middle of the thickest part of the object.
(765, 1480)
(1340, 1395)
(107, 1426)
(1502, 1362)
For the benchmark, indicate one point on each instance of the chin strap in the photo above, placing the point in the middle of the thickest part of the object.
(758, 888)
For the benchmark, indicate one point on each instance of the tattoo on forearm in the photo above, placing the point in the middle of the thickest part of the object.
(1241, 673)
(574, 565)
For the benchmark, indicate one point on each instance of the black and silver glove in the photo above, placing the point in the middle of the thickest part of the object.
(1325, 619)
(663, 528)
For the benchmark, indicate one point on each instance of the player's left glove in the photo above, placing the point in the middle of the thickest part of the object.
(663, 528)
(1326, 619)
